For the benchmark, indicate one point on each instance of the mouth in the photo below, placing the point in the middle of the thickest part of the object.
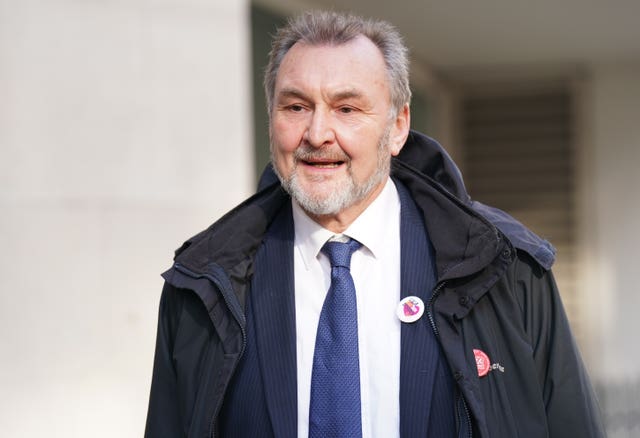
(323, 164)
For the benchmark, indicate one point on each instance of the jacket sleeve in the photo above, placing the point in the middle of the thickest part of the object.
(570, 401)
(163, 416)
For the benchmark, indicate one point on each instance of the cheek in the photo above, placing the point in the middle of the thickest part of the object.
(363, 151)
(283, 145)
(285, 138)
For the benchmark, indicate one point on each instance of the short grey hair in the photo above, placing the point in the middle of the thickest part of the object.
(332, 28)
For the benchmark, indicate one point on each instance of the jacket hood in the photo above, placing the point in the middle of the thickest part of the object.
(428, 157)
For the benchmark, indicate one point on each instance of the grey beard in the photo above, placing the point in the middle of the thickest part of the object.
(346, 195)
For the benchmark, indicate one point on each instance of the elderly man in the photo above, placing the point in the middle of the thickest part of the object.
(357, 294)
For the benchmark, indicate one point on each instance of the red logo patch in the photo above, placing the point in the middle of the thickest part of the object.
(482, 362)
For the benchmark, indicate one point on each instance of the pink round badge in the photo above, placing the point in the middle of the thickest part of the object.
(410, 309)
(482, 362)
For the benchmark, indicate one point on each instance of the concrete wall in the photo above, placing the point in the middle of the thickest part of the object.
(124, 128)
(611, 238)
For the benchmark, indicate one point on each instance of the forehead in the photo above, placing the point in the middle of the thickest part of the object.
(357, 63)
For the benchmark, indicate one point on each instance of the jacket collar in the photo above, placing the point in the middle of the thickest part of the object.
(463, 240)
(235, 237)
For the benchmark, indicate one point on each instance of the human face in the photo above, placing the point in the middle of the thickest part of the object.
(332, 134)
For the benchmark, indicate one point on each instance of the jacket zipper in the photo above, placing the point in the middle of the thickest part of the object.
(467, 416)
(434, 327)
(236, 315)
(432, 320)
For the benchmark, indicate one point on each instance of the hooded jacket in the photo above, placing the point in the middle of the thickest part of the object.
(495, 310)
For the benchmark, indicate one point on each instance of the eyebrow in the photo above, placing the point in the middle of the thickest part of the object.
(350, 93)
(291, 92)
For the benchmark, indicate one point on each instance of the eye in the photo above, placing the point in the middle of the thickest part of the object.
(295, 108)
(346, 109)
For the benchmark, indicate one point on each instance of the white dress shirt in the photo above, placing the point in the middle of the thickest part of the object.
(375, 269)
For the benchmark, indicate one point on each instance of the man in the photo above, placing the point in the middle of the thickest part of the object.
(434, 322)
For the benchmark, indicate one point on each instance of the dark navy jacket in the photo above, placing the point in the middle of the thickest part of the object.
(494, 294)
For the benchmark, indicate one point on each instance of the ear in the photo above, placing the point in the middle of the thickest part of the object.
(270, 132)
(400, 130)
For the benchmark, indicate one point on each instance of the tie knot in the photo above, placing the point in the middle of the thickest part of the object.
(339, 253)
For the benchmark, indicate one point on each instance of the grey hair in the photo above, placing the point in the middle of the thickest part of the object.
(331, 28)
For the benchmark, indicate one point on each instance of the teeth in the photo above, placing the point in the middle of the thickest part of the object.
(324, 164)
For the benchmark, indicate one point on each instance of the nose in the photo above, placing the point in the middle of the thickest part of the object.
(320, 130)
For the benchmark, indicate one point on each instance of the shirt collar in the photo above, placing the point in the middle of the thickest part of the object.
(366, 229)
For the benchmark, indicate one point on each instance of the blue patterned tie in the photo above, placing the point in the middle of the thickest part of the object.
(334, 410)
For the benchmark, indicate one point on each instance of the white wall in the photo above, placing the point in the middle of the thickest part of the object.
(124, 128)
(612, 215)
(611, 237)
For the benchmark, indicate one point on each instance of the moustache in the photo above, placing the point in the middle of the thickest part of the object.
(307, 153)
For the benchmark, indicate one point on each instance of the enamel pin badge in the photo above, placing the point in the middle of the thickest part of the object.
(410, 309)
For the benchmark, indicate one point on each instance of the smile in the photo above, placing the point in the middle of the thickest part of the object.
(324, 164)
